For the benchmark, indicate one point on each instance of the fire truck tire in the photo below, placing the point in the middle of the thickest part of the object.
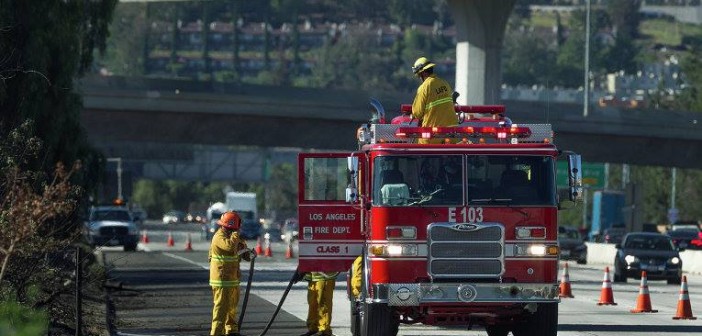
(377, 319)
(497, 330)
(544, 322)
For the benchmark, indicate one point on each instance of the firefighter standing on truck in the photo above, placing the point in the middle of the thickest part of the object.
(225, 250)
(320, 296)
(433, 104)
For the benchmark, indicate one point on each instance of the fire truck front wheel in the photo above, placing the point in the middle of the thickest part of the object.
(497, 330)
(544, 322)
(377, 319)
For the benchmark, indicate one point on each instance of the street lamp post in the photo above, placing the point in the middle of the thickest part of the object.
(119, 175)
(586, 92)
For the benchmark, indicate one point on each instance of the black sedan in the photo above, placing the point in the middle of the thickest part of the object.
(650, 252)
(572, 245)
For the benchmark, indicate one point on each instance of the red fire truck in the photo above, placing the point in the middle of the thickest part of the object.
(459, 232)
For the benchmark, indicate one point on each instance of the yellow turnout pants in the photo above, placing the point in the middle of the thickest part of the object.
(224, 320)
(320, 296)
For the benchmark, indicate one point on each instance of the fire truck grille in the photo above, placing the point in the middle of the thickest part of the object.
(465, 250)
(484, 267)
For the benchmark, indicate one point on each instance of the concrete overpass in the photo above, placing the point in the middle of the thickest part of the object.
(122, 113)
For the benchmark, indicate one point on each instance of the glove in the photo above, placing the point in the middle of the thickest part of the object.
(247, 254)
(298, 276)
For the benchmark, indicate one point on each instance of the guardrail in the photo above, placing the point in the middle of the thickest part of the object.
(598, 253)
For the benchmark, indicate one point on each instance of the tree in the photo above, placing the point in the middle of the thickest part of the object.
(691, 97)
(32, 219)
(283, 190)
(528, 60)
(624, 15)
(46, 46)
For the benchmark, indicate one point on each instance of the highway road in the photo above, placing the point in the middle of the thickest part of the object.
(164, 291)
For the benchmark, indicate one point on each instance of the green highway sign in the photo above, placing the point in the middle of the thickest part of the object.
(593, 175)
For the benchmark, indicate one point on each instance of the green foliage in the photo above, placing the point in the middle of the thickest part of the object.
(527, 60)
(691, 98)
(19, 320)
(624, 16)
(283, 190)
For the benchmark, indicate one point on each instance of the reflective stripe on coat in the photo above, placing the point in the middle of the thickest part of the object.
(223, 258)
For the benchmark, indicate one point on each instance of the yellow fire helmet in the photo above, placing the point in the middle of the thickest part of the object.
(421, 64)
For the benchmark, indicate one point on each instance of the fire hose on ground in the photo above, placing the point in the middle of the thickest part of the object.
(295, 278)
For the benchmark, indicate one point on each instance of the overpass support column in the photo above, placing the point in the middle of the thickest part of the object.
(480, 29)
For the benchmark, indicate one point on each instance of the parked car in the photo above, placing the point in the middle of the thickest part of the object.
(650, 252)
(683, 237)
(173, 217)
(112, 226)
(290, 229)
(572, 245)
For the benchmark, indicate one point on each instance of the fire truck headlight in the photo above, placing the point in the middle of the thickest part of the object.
(538, 250)
(400, 250)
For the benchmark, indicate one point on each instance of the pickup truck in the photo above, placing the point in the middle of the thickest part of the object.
(112, 226)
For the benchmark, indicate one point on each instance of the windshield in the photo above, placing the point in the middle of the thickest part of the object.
(657, 243)
(459, 179)
(112, 215)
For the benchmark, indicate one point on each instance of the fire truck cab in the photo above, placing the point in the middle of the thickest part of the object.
(461, 231)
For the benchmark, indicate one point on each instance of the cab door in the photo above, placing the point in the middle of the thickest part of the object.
(330, 235)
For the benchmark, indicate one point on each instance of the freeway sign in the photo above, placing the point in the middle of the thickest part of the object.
(593, 175)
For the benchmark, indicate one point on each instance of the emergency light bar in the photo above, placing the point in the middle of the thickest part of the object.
(488, 109)
(463, 132)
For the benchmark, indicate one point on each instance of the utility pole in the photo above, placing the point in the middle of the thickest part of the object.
(119, 175)
(586, 92)
(672, 188)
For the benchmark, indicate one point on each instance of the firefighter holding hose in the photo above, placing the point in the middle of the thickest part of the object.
(226, 250)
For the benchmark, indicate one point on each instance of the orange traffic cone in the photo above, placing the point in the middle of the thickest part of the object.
(684, 309)
(643, 301)
(289, 251)
(258, 249)
(268, 252)
(144, 237)
(188, 243)
(606, 295)
(170, 241)
(565, 284)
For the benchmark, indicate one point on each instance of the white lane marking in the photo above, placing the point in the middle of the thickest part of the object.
(205, 266)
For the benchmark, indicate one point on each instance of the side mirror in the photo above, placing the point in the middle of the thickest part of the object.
(352, 189)
(575, 178)
(618, 245)
(351, 194)
(352, 163)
